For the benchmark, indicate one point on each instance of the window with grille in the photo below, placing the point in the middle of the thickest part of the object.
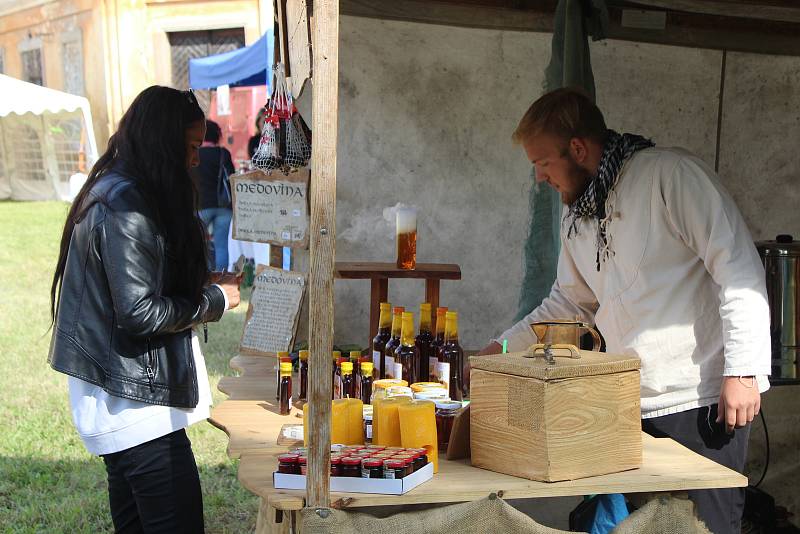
(32, 66)
(189, 45)
(27, 147)
(67, 144)
(72, 61)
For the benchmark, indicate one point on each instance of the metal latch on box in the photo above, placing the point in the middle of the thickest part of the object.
(563, 335)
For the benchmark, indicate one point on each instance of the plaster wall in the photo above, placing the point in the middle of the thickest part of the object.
(425, 118)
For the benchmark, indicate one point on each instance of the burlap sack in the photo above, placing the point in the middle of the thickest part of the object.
(489, 515)
(663, 515)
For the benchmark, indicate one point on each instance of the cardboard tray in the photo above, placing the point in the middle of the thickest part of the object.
(360, 485)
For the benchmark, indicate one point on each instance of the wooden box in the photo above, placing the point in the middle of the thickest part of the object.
(570, 419)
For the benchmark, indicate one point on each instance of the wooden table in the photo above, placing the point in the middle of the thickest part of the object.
(251, 421)
(379, 275)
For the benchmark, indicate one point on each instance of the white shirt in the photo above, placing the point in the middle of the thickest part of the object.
(108, 424)
(683, 289)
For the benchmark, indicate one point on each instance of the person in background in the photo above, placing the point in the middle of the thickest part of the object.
(211, 178)
(130, 285)
(252, 143)
(657, 255)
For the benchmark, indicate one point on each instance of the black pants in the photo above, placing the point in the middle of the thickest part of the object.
(155, 487)
(720, 509)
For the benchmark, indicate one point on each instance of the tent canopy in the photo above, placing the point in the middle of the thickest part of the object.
(240, 68)
(45, 138)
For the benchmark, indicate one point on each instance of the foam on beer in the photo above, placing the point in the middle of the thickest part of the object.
(406, 220)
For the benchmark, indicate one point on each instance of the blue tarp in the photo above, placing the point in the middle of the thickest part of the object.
(244, 67)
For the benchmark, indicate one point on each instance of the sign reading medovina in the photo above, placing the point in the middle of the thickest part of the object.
(271, 208)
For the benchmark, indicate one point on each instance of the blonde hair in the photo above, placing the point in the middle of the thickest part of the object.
(565, 113)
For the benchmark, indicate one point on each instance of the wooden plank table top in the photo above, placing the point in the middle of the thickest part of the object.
(251, 421)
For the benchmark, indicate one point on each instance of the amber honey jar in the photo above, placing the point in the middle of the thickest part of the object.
(287, 464)
(446, 412)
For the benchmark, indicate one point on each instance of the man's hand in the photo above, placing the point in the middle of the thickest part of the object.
(739, 402)
(492, 348)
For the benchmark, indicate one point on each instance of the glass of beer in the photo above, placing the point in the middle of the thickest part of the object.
(406, 238)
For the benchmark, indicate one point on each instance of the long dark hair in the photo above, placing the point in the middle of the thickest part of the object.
(150, 146)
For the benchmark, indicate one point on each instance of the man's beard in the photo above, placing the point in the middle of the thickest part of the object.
(579, 176)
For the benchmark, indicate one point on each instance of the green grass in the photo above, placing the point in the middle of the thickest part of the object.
(48, 482)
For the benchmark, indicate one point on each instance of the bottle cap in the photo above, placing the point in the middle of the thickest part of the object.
(350, 460)
(347, 367)
(303, 355)
(398, 310)
(386, 306)
(283, 354)
(286, 367)
(366, 368)
(372, 462)
(288, 458)
(336, 355)
(447, 404)
(355, 354)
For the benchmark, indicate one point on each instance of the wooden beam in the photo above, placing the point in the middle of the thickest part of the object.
(323, 239)
(683, 28)
(451, 14)
(727, 8)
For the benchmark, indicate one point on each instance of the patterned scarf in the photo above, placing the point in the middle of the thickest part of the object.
(592, 203)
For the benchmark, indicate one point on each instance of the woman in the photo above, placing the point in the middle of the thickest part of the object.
(130, 284)
(211, 178)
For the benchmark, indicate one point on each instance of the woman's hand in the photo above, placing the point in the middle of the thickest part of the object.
(229, 282)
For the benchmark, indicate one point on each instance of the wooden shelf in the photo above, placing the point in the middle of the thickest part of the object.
(362, 270)
(379, 274)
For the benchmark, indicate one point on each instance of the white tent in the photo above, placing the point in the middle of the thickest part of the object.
(46, 137)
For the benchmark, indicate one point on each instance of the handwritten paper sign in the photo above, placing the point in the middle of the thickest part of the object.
(274, 309)
(271, 208)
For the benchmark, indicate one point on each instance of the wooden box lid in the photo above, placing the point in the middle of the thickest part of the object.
(590, 363)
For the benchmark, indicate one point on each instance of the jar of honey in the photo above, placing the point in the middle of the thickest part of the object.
(372, 468)
(446, 412)
(394, 469)
(379, 387)
(351, 467)
(287, 464)
(302, 462)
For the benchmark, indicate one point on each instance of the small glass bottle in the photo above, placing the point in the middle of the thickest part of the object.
(436, 344)
(366, 382)
(285, 388)
(368, 427)
(348, 382)
(423, 342)
(337, 378)
(451, 359)
(355, 355)
(334, 375)
(283, 356)
(406, 353)
(381, 338)
(391, 367)
(303, 375)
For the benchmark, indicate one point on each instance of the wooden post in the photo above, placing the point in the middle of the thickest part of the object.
(323, 239)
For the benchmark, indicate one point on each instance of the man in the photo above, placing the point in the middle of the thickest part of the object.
(657, 255)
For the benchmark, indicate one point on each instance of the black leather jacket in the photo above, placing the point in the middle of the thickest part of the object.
(114, 327)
